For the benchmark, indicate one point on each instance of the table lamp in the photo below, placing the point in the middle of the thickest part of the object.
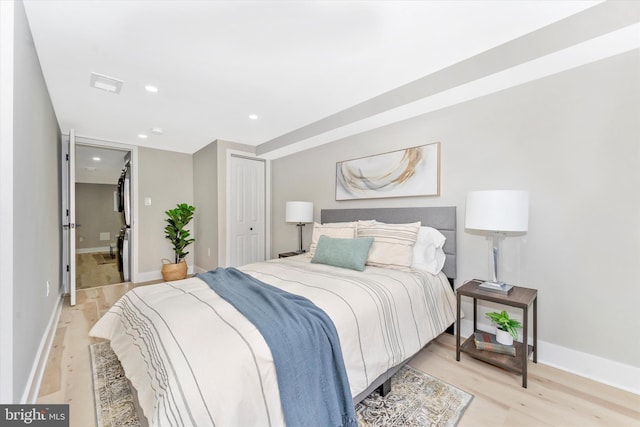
(299, 212)
(498, 212)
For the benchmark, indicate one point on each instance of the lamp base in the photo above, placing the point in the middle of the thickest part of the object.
(495, 257)
(300, 250)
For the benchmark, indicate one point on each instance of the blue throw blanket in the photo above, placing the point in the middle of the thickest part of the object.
(313, 383)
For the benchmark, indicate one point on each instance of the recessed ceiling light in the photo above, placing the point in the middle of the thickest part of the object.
(253, 116)
(142, 136)
(110, 84)
(151, 88)
(96, 159)
(157, 131)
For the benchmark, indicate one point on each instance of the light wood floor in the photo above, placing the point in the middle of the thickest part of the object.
(96, 269)
(553, 397)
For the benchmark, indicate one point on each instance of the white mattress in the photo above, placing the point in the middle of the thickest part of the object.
(196, 361)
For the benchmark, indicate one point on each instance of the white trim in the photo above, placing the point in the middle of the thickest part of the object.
(30, 394)
(267, 213)
(610, 372)
(7, 30)
(594, 49)
(103, 143)
(92, 250)
(267, 203)
(71, 199)
(149, 276)
(135, 245)
(96, 142)
(596, 368)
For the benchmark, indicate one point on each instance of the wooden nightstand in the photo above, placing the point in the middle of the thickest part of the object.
(287, 254)
(521, 298)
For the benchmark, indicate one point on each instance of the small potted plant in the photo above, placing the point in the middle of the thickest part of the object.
(175, 231)
(506, 330)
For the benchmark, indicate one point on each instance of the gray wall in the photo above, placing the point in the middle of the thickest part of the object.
(210, 194)
(95, 214)
(36, 208)
(205, 196)
(570, 139)
(166, 177)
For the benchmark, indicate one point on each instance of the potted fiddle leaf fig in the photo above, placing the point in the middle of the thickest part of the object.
(506, 330)
(175, 231)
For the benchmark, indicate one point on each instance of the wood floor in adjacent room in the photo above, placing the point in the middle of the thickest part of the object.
(96, 269)
(553, 397)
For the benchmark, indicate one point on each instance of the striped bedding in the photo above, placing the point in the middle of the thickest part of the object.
(195, 361)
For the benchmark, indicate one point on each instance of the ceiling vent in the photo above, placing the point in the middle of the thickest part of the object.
(109, 84)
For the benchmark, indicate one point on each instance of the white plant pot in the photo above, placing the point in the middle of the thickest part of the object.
(503, 337)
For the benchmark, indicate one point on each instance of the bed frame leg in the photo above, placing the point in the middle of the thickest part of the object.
(385, 388)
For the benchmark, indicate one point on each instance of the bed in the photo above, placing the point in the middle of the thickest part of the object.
(195, 360)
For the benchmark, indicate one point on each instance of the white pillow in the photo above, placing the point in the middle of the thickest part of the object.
(427, 252)
(367, 222)
(392, 243)
(338, 230)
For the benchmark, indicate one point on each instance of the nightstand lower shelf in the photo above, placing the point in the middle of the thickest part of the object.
(511, 363)
(519, 297)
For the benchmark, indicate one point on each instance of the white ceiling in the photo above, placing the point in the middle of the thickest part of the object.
(97, 165)
(292, 63)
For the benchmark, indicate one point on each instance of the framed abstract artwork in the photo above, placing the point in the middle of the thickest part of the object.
(404, 173)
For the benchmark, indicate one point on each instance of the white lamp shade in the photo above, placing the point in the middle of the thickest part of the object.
(299, 212)
(499, 210)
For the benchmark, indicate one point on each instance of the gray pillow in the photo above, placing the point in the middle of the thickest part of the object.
(344, 253)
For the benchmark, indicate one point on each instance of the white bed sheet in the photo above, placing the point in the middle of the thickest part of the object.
(196, 361)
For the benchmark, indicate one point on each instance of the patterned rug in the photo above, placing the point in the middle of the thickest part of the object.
(416, 398)
(104, 258)
(115, 405)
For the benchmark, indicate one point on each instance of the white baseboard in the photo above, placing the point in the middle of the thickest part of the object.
(93, 250)
(597, 368)
(148, 276)
(30, 395)
(610, 372)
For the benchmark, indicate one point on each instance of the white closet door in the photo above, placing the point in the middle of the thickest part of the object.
(247, 211)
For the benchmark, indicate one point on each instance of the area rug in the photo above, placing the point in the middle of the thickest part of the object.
(416, 398)
(104, 258)
(112, 393)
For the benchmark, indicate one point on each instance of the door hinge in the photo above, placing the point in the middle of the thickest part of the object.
(68, 269)
(67, 212)
(67, 156)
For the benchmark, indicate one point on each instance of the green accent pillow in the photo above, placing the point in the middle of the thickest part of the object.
(344, 253)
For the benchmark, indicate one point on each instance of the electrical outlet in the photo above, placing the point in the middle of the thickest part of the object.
(208, 251)
(48, 287)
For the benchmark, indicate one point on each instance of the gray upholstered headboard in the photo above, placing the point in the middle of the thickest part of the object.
(440, 218)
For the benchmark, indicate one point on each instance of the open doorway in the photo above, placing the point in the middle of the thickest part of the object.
(100, 221)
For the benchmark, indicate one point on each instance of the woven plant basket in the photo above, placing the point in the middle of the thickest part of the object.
(171, 271)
